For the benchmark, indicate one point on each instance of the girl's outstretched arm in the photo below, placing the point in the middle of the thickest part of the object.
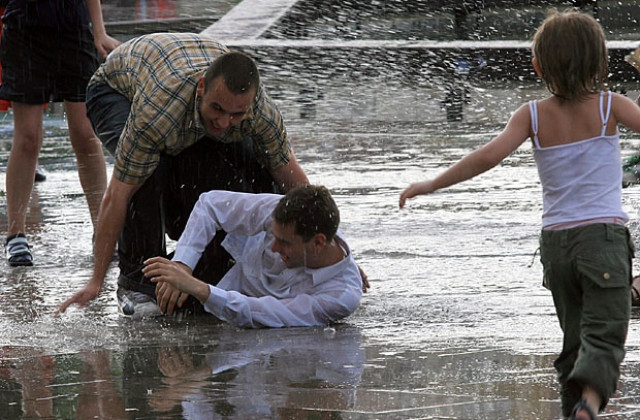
(626, 112)
(480, 160)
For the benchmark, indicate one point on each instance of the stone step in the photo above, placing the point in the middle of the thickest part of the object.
(250, 19)
(413, 61)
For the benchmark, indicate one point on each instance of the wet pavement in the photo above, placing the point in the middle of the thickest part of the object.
(456, 325)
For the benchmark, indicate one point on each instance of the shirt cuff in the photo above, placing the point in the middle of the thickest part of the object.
(188, 256)
(216, 302)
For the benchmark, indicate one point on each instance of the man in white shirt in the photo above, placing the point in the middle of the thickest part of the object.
(292, 266)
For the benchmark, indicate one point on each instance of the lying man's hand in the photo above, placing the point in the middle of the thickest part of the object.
(168, 297)
(172, 278)
(365, 280)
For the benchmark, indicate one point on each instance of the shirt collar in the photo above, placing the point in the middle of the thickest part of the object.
(196, 112)
(322, 274)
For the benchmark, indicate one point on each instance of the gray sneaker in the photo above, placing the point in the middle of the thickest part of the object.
(137, 305)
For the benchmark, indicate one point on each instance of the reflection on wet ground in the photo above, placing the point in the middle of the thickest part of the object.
(456, 325)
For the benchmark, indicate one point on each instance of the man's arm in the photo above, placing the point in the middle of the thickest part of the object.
(242, 213)
(290, 175)
(113, 211)
(302, 310)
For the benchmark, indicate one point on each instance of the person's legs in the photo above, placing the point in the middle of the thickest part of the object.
(107, 111)
(605, 282)
(588, 271)
(559, 278)
(20, 175)
(88, 149)
(143, 233)
(76, 62)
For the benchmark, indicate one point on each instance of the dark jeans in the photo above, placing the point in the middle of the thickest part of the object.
(164, 202)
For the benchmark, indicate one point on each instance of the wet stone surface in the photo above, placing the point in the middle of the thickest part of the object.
(456, 326)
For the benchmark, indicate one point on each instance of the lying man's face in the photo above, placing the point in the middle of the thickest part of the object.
(220, 108)
(295, 252)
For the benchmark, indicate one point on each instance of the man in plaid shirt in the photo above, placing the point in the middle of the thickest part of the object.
(181, 115)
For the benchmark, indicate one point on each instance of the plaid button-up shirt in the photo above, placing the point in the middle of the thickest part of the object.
(159, 74)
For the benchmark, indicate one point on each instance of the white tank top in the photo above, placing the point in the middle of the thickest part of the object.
(581, 181)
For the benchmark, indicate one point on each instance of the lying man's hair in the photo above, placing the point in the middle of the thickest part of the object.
(312, 209)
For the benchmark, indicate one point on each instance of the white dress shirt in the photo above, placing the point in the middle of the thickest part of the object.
(259, 290)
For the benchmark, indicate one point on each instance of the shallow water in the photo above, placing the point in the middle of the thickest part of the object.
(456, 325)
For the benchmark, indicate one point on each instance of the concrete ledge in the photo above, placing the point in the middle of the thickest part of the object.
(247, 27)
(249, 19)
(412, 61)
(399, 44)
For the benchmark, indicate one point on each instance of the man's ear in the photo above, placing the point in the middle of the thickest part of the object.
(320, 241)
(200, 88)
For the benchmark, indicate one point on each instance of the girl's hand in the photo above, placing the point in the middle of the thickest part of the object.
(417, 188)
(105, 44)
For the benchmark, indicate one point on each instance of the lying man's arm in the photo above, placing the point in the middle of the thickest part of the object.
(242, 213)
(303, 310)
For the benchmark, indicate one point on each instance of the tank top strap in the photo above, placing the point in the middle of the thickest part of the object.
(533, 110)
(604, 118)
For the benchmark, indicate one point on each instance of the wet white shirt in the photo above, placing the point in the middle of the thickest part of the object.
(259, 290)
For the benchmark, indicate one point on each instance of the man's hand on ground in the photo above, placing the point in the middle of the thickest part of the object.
(365, 280)
(81, 298)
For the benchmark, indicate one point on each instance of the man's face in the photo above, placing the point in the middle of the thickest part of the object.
(292, 249)
(220, 108)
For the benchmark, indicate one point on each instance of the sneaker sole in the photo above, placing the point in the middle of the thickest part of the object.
(21, 264)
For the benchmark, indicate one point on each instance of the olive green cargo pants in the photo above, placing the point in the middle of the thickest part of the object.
(588, 271)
